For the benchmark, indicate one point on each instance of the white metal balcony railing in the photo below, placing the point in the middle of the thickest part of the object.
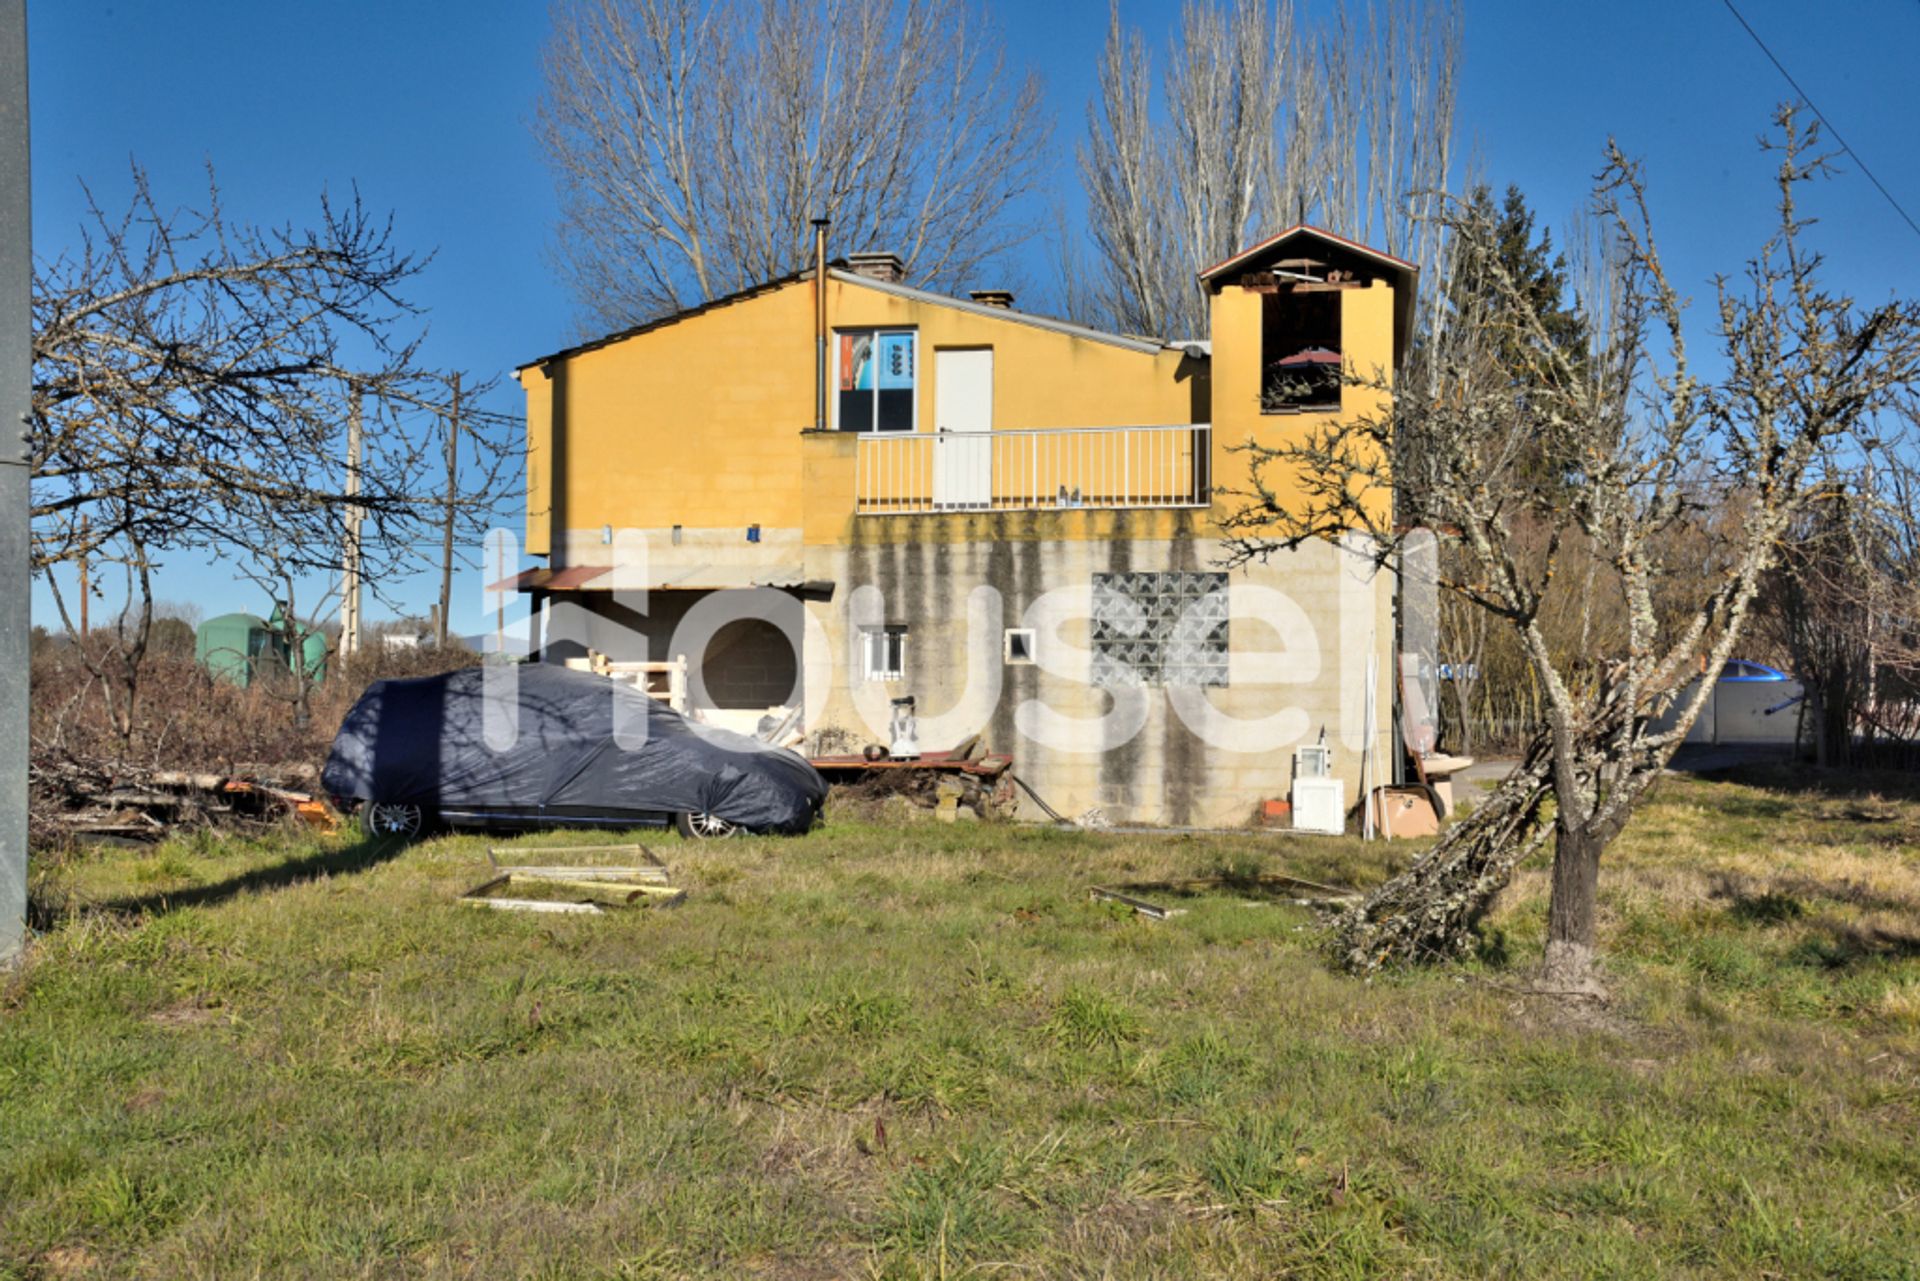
(1033, 470)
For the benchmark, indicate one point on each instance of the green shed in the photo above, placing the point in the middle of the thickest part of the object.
(234, 647)
(230, 646)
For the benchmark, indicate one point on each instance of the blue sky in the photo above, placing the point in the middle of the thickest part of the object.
(426, 107)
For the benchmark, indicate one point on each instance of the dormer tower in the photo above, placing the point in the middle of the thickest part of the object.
(1288, 316)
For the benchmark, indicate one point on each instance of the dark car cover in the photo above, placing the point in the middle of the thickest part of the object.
(425, 742)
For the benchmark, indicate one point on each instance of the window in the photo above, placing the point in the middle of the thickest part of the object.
(1300, 352)
(884, 653)
(1159, 629)
(1019, 645)
(875, 368)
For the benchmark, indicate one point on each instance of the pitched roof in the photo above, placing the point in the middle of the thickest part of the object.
(1306, 229)
(1403, 272)
(1132, 342)
(671, 318)
(837, 270)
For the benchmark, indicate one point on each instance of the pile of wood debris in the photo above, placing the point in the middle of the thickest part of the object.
(76, 799)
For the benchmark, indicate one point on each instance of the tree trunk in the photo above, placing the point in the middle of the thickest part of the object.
(1817, 717)
(1570, 912)
(1430, 911)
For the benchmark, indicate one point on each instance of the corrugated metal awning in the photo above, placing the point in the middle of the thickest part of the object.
(688, 578)
(541, 578)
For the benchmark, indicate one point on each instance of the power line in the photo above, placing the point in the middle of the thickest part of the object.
(1822, 116)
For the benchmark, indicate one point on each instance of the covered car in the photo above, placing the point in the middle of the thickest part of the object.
(556, 748)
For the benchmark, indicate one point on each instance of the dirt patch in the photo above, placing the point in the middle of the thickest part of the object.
(186, 1014)
(1570, 1012)
(146, 1098)
(69, 1261)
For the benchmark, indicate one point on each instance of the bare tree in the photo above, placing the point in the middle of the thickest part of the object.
(1843, 606)
(1895, 711)
(1638, 449)
(1262, 125)
(190, 377)
(1124, 168)
(691, 141)
(1384, 89)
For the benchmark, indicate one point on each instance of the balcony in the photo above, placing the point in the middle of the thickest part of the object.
(1047, 469)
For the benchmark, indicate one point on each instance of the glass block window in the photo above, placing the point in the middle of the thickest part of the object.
(1159, 629)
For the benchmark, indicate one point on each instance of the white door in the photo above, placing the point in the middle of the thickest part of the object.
(963, 426)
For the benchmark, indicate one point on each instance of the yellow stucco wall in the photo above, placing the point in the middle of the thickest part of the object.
(700, 423)
(539, 391)
(1366, 341)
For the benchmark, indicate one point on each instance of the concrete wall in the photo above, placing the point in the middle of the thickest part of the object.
(1738, 712)
(1239, 418)
(1297, 641)
(742, 646)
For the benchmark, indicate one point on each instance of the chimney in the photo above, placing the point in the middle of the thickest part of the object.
(878, 264)
(1001, 298)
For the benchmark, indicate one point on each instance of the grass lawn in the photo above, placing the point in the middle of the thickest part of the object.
(916, 1050)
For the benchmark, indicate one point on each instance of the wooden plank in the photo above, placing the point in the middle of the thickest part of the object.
(988, 765)
(641, 872)
(491, 883)
(534, 905)
(616, 893)
(1145, 908)
(1266, 880)
(498, 851)
(608, 892)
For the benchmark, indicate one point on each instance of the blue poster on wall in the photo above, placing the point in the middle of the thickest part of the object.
(896, 362)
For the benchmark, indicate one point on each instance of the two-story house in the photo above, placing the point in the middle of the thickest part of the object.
(835, 490)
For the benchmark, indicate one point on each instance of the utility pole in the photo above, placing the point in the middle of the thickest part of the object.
(350, 557)
(446, 534)
(16, 398)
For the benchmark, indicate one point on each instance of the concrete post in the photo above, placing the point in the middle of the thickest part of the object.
(16, 382)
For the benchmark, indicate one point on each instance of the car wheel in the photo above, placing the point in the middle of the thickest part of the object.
(399, 819)
(704, 827)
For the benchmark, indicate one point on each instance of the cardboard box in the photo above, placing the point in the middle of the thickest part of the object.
(1405, 812)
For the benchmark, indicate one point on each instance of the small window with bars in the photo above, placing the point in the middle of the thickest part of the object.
(884, 653)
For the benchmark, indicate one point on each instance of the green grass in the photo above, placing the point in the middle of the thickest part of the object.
(921, 1051)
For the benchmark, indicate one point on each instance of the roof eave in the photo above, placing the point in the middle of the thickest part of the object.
(1308, 229)
(1132, 343)
(671, 318)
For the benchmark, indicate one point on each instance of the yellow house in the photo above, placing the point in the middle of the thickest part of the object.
(835, 490)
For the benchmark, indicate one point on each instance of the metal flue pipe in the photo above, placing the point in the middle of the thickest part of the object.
(820, 323)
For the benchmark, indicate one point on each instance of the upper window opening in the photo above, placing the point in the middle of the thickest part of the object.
(876, 368)
(1300, 357)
